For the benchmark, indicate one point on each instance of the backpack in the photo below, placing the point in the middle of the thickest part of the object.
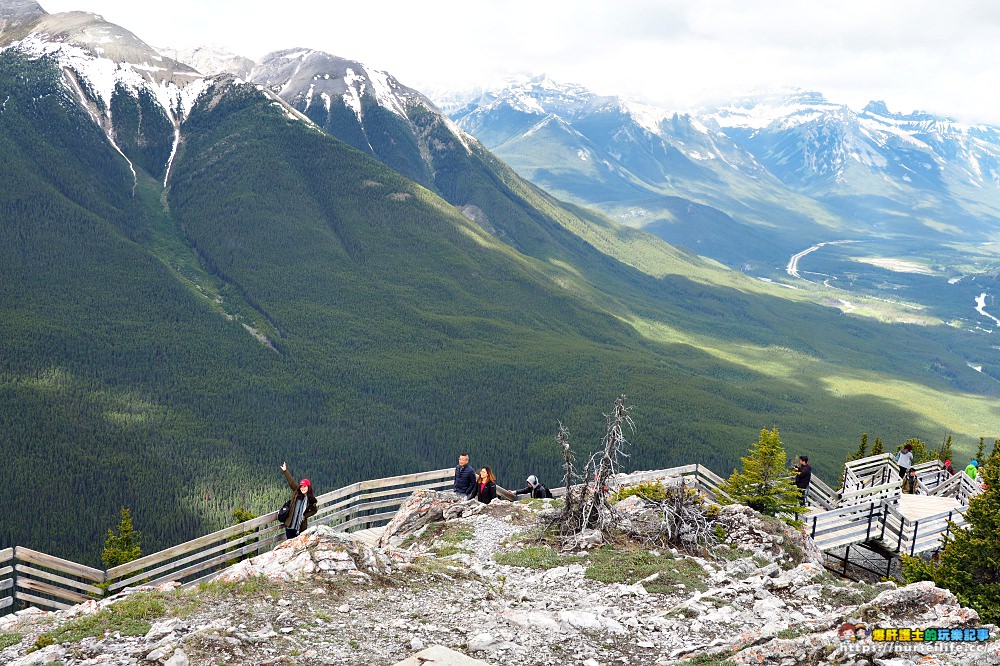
(283, 512)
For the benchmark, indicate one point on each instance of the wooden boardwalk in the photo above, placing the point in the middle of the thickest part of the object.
(917, 507)
(368, 536)
(870, 508)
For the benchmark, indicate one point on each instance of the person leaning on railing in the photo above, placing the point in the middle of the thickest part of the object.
(300, 507)
(535, 488)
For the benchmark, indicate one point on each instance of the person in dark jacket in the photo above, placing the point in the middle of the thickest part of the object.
(300, 507)
(465, 478)
(803, 475)
(486, 486)
(911, 481)
(535, 488)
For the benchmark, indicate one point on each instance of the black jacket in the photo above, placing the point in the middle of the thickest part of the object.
(538, 492)
(310, 499)
(487, 493)
(804, 476)
(465, 481)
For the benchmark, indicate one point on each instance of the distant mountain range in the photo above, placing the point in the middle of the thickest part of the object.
(773, 170)
(205, 273)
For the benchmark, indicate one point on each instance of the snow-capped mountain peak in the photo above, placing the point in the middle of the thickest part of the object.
(319, 77)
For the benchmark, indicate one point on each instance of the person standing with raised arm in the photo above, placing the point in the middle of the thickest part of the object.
(300, 507)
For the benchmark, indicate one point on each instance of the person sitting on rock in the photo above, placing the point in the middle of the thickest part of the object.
(486, 486)
(535, 488)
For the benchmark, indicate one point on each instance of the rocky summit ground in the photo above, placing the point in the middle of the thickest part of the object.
(483, 581)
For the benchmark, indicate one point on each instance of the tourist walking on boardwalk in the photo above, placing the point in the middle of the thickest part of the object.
(905, 460)
(535, 488)
(486, 486)
(465, 478)
(803, 475)
(948, 468)
(300, 507)
(911, 482)
(972, 469)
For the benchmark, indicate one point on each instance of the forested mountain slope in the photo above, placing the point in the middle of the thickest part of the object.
(287, 297)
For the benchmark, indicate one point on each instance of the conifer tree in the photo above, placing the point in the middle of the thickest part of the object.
(919, 450)
(124, 546)
(969, 565)
(862, 448)
(879, 447)
(765, 484)
(981, 451)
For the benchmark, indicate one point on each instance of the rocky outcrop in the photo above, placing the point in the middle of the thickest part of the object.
(317, 551)
(423, 508)
(326, 598)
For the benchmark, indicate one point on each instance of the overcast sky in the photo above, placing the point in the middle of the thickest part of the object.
(942, 57)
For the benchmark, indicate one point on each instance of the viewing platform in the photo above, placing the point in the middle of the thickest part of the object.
(868, 514)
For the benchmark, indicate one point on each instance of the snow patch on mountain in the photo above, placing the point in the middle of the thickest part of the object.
(382, 86)
(352, 96)
(103, 75)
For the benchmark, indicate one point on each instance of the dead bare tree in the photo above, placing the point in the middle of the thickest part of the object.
(681, 520)
(570, 475)
(597, 511)
(586, 506)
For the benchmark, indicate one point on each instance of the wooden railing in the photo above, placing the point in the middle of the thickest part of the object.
(698, 476)
(869, 478)
(912, 537)
(43, 580)
(846, 525)
(6, 579)
(880, 520)
(30, 577)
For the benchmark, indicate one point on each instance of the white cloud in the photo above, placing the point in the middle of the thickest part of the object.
(913, 54)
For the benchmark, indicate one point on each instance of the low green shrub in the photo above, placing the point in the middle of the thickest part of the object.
(653, 491)
(611, 566)
(536, 557)
(129, 617)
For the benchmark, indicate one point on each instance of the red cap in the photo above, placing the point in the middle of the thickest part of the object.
(304, 482)
(947, 462)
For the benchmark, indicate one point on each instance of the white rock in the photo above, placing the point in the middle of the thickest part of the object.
(161, 652)
(480, 642)
(47, 655)
(179, 659)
